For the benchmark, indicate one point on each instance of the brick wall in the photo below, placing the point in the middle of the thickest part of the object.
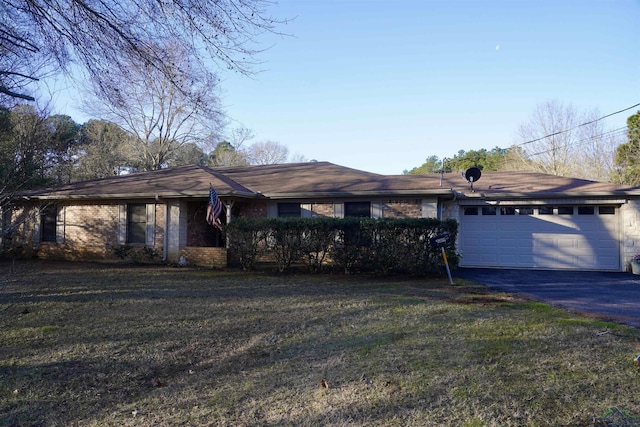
(199, 232)
(322, 209)
(251, 210)
(89, 232)
(631, 231)
(402, 208)
(91, 225)
(209, 257)
(160, 226)
(22, 225)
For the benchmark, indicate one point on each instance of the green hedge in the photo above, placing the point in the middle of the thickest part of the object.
(351, 244)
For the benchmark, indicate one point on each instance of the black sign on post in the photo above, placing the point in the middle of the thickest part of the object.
(440, 240)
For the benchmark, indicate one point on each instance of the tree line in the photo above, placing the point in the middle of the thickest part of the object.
(39, 150)
(558, 140)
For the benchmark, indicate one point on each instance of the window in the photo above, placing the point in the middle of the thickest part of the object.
(489, 210)
(545, 210)
(586, 210)
(357, 209)
(471, 211)
(507, 211)
(524, 210)
(565, 210)
(136, 223)
(48, 219)
(607, 210)
(289, 210)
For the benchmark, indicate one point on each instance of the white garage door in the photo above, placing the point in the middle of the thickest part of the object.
(552, 237)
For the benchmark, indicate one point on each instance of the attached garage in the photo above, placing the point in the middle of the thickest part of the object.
(541, 235)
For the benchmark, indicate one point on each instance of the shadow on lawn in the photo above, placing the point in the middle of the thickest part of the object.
(88, 353)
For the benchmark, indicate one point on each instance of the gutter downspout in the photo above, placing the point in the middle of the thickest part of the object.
(166, 232)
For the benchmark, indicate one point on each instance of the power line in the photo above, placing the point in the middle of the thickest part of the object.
(615, 132)
(580, 125)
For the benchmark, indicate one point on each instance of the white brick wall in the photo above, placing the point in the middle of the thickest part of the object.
(631, 230)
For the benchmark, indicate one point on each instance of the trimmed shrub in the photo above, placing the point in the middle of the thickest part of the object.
(285, 240)
(382, 246)
(247, 239)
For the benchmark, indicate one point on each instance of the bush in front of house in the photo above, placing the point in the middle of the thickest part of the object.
(137, 255)
(382, 246)
(391, 245)
(247, 239)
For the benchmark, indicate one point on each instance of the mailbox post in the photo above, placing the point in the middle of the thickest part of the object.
(440, 241)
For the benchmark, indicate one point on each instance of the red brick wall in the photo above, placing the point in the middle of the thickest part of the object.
(251, 210)
(199, 232)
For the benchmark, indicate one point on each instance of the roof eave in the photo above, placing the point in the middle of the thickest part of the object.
(548, 195)
(368, 193)
(53, 196)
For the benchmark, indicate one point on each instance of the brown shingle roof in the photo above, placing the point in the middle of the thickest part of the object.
(181, 181)
(323, 179)
(532, 184)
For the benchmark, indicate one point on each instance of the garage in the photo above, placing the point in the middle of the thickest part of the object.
(577, 237)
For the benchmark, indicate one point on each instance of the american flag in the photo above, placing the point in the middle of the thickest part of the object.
(214, 209)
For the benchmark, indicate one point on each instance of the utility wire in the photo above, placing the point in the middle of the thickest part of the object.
(575, 127)
(615, 132)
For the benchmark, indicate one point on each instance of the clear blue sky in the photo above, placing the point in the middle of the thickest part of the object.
(380, 85)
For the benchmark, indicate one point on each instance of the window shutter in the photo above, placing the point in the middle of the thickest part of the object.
(338, 210)
(122, 224)
(376, 209)
(60, 221)
(37, 220)
(272, 210)
(151, 225)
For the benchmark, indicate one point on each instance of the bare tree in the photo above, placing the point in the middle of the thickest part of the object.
(239, 136)
(108, 37)
(560, 140)
(163, 113)
(268, 153)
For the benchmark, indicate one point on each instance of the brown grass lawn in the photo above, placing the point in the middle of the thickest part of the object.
(100, 345)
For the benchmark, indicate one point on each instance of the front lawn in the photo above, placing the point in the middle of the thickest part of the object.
(100, 345)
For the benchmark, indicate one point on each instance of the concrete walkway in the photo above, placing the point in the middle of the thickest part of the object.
(613, 296)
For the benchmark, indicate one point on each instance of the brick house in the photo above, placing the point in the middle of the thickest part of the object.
(508, 219)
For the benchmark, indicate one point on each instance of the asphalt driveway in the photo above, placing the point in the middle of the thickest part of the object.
(614, 296)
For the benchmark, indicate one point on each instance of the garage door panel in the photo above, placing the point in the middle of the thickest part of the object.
(491, 244)
(490, 258)
(509, 226)
(566, 243)
(508, 243)
(541, 241)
